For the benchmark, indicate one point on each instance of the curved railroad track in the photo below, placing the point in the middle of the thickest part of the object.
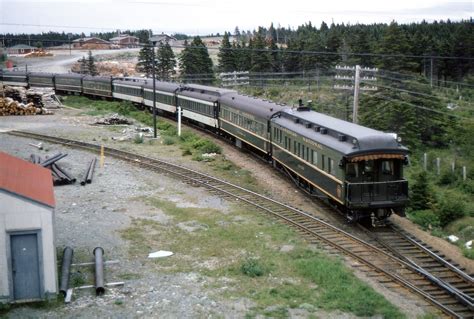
(391, 269)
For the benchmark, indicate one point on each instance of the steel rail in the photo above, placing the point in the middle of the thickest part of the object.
(207, 180)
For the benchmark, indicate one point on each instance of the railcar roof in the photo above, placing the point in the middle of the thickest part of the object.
(41, 74)
(252, 105)
(138, 84)
(211, 90)
(14, 72)
(70, 75)
(97, 78)
(163, 86)
(342, 136)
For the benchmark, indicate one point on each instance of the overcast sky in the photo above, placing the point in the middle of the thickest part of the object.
(213, 16)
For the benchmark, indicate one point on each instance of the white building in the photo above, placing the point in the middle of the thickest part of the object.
(27, 248)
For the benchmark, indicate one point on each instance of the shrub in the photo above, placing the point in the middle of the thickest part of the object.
(186, 151)
(168, 140)
(451, 207)
(421, 198)
(447, 178)
(251, 267)
(206, 146)
(425, 218)
(138, 138)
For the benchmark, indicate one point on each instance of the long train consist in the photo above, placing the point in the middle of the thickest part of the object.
(356, 168)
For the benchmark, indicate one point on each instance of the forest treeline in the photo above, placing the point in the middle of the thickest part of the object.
(444, 49)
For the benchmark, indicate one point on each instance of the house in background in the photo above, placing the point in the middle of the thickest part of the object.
(163, 38)
(20, 49)
(90, 43)
(125, 41)
(27, 241)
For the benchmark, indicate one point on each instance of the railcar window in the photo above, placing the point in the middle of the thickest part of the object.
(352, 170)
(387, 167)
(322, 162)
(331, 168)
(314, 157)
(369, 166)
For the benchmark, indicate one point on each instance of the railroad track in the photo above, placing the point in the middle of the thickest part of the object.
(387, 267)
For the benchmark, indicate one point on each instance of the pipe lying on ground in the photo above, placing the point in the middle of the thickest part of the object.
(53, 159)
(99, 271)
(90, 173)
(84, 181)
(62, 174)
(66, 270)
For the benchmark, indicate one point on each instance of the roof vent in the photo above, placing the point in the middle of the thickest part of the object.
(341, 137)
(271, 109)
(323, 130)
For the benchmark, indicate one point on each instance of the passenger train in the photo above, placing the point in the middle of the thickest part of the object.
(358, 169)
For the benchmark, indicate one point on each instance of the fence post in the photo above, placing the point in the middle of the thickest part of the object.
(464, 173)
(438, 162)
(425, 161)
(453, 165)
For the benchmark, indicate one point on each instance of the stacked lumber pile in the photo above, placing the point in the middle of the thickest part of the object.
(38, 54)
(43, 97)
(19, 101)
(8, 106)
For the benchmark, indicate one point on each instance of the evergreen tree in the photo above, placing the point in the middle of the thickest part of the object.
(420, 197)
(83, 67)
(196, 63)
(226, 56)
(166, 62)
(394, 42)
(91, 68)
(260, 57)
(145, 60)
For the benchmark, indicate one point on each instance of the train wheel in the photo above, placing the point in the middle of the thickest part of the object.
(352, 216)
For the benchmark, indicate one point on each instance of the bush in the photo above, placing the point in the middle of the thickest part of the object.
(252, 268)
(421, 198)
(447, 178)
(168, 140)
(427, 219)
(138, 138)
(451, 207)
(206, 146)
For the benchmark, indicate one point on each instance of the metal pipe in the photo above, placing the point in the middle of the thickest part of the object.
(53, 159)
(90, 173)
(66, 270)
(99, 271)
(84, 181)
(71, 179)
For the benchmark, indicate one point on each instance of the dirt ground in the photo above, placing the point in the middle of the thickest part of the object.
(94, 216)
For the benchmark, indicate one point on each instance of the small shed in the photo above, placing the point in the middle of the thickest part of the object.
(20, 49)
(91, 43)
(27, 243)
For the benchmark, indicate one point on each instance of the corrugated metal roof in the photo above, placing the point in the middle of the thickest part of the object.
(26, 179)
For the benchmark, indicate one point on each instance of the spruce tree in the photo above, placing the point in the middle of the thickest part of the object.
(166, 62)
(260, 56)
(421, 198)
(195, 62)
(145, 60)
(91, 68)
(226, 56)
(83, 67)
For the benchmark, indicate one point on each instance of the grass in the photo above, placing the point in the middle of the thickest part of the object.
(247, 253)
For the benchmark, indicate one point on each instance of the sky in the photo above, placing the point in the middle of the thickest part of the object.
(214, 16)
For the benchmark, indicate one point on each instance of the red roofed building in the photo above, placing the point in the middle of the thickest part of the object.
(27, 249)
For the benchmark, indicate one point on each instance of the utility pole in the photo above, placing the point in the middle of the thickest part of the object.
(355, 108)
(356, 87)
(154, 88)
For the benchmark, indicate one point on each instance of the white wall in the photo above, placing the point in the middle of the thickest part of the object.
(21, 214)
